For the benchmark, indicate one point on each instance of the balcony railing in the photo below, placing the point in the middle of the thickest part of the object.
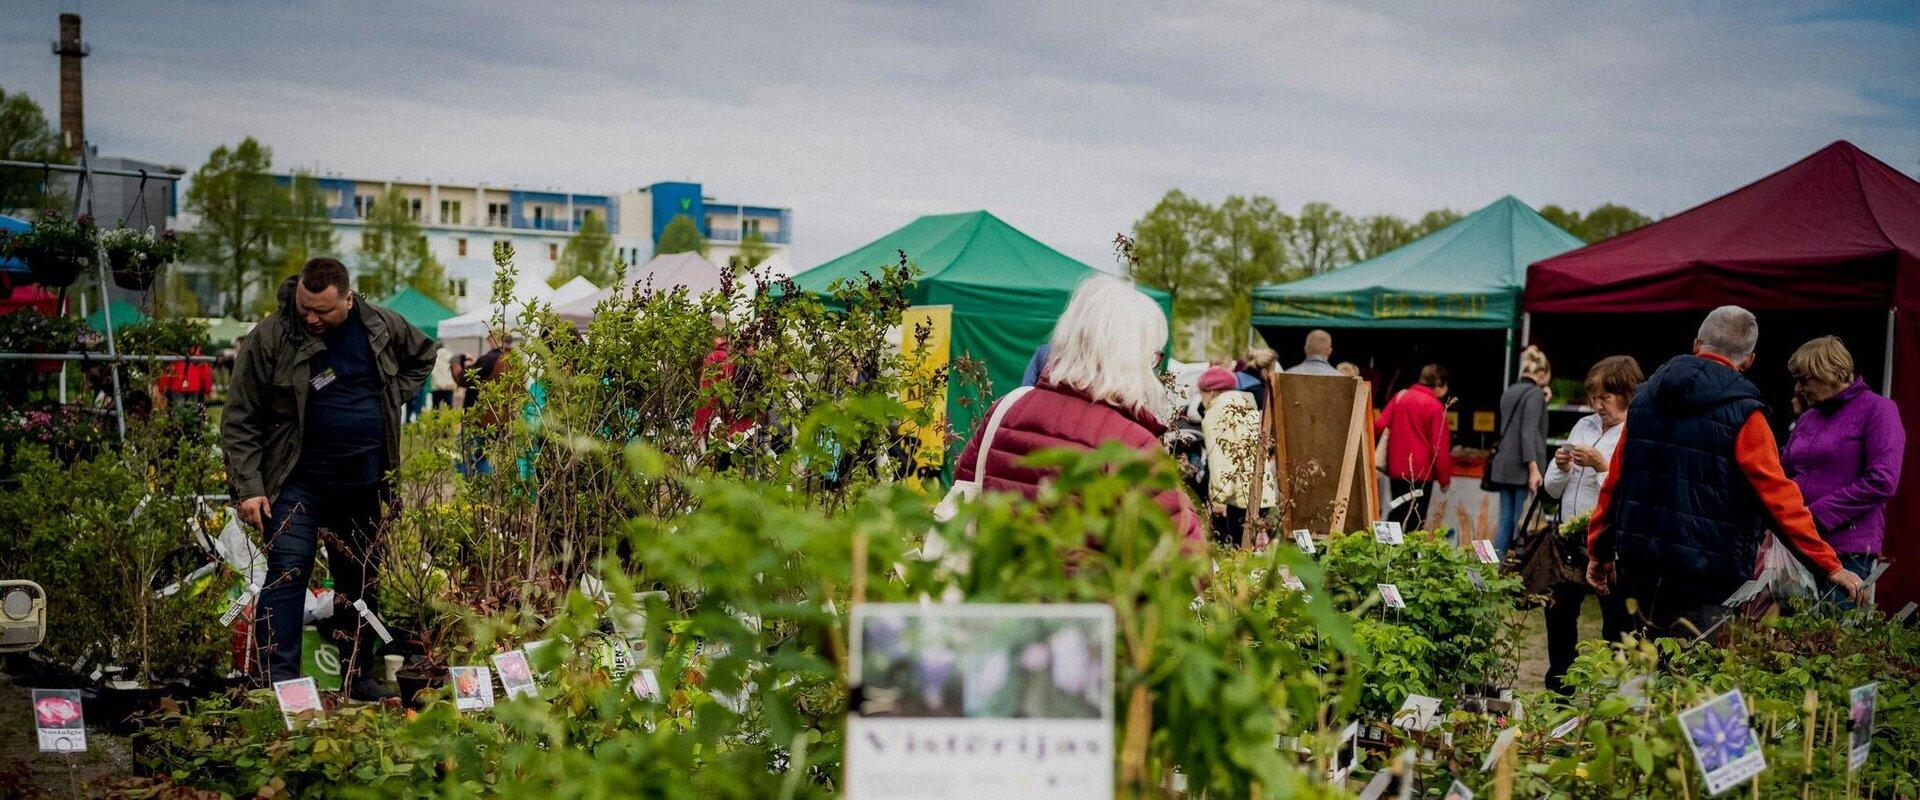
(731, 235)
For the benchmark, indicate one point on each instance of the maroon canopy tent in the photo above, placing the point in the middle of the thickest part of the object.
(1837, 233)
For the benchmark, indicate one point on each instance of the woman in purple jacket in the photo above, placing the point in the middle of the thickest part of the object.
(1844, 452)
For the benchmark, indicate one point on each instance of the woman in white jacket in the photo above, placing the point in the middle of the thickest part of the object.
(1575, 475)
(1231, 425)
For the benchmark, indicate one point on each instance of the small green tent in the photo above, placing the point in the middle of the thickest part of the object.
(1005, 287)
(1467, 275)
(124, 314)
(416, 307)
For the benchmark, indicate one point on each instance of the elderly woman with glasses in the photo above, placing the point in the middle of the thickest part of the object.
(1844, 452)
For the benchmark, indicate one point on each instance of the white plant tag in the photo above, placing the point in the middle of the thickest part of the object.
(1390, 594)
(239, 604)
(1388, 532)
(1304, 539)
(1561, 730)
(1906, 611)
(379, 628)
(1500, 745)
(1483, 549)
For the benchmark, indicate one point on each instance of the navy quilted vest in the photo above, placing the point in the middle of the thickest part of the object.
(1683, 512)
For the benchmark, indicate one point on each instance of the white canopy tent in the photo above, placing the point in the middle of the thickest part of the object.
(466, 334)
(663, 274)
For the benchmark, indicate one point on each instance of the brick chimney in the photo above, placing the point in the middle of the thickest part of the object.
(70, 49)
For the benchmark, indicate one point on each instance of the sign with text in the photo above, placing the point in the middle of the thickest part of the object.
(58, 719)
(297, 696)
(981, 701)
(1860, 723)
(1721, 736)
(516, 675)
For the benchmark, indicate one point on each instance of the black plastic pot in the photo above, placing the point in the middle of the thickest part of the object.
(127, 275)
(122, 710)
(55, 268)
(415, 682)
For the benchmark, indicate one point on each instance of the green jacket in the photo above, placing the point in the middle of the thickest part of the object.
(262, 426)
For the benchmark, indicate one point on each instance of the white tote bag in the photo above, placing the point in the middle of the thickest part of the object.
(963, 491)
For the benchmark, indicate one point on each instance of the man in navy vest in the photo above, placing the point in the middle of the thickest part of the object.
(1694, 486)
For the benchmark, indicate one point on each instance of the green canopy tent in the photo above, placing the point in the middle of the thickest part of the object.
(416, 307)
(1459, 286)
(1006, 289)
(124, 314)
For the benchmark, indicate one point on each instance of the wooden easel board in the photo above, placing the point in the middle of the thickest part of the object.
(1326, 425)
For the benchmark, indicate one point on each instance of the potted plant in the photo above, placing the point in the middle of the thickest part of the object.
(56, 248)
(136, 257)
(29, 331)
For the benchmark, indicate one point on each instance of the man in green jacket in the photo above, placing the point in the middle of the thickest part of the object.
(311, 428)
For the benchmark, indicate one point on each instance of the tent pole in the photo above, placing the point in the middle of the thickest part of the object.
(1886, 368)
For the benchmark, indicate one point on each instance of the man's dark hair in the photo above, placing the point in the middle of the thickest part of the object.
(321, 273)
(1433, 375)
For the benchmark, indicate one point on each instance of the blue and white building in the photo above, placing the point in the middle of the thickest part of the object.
(462, 223)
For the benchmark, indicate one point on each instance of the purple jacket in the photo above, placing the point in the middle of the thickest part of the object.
(1845, 455)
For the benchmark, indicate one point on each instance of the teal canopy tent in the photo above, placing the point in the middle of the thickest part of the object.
(1006, 288)
(416, 307)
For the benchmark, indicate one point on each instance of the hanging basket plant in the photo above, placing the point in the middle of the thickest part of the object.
(136, 257)
(57, 248)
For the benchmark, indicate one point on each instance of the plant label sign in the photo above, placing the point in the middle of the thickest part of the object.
(1304, 539)
(1483, 550)
(1860, 704)
(980, 702)
(1721, 737)
(1906, 611)
(1418, 713)
(296, 697)
(645, 684)
(58, 718)
(1561, 730)
(516, 675)
(1458, 791)
(1291, 581)
(1388, 532)
(472, 687)
(239, 604)
(1747, 591)
(1346, 753)
(1390, 594)
(1500, 745)
(373, 620)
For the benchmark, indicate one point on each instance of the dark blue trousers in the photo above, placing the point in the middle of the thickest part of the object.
(347, 520)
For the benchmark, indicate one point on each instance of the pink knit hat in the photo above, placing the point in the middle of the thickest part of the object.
(1217, 379)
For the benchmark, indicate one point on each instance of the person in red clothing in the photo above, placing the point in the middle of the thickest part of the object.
(717, 370)
(1419, 446)
(187, 382)
(1694, 485)
(1099, 385)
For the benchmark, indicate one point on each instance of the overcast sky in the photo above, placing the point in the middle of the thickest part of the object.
(1068, 124)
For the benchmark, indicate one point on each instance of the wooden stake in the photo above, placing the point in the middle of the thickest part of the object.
(1277, 423)
(1681, 757)
(1343, 493)
(1503, 774)
(1256, 486)
(859, 566)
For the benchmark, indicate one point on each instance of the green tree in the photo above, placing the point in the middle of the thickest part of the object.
(682, 235)
(1434, 220)
(430, 278)
(1382, 233)
(589, 254)
(177, 297)
(1566, 220)
(1248, 247)
(241, 209)
(305, 232)
(25, 135)
(1170, 255)
(395, 248)
(1608, 220)
(754, 251)
(1322, 238)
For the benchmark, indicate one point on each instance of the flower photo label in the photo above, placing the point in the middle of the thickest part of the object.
(296, 697)
(1720, 734)
(472, 687)
(1860, 706)
(1483, 550)
(59, 720)
(1304, 539)
(516, 674)
(1388, 532)
(1390, 594)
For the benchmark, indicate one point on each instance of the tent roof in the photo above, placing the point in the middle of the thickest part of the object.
(223, 330)
(416, 307)
(473, 324)
(972, 260)
(124, 314)
(1465, 275)
(664, 273)
(1828, 231)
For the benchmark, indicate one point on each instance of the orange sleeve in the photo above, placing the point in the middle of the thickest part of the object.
(1380, 420)
(1759, 457)
(1599, 538)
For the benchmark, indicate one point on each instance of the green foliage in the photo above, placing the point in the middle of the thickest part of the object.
(681, 235)
(241, 209)
(305, 233)
(25, 135)
(589, 254)
(753, 251)
(395, 252)
(1604, 221)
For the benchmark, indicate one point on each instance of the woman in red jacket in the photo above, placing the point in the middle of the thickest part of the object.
(1099, 385)
(1419, 446)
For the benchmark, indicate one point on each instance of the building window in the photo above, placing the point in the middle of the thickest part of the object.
(413, 209)
(498, 215)
(450, 213)
(369, 242)
(460, 246)
(539, 215)
(553, 251)
(362, 205)
(749, 227)
(457, 286)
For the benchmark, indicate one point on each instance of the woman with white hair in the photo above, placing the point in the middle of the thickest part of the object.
(1100, 384)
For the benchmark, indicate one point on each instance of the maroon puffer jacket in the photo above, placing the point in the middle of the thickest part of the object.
(1053, 416)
